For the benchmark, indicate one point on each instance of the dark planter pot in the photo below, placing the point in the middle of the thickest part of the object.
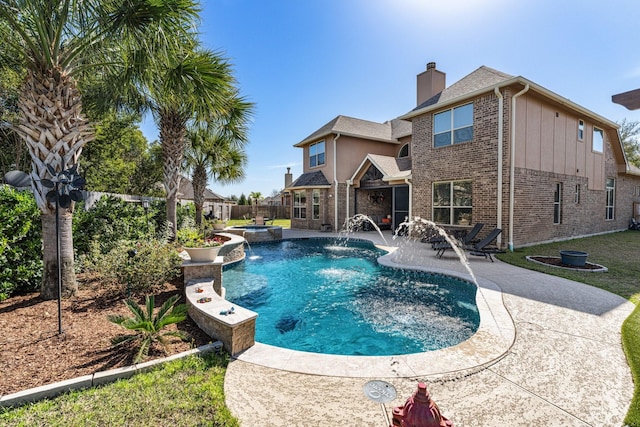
(575, 258)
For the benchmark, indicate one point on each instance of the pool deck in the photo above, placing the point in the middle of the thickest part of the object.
(548, 352)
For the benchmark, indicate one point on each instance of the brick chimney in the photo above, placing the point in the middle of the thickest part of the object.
(288, 178)
(430, 82)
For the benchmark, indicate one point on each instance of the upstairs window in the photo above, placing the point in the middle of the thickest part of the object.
(580, 130)
(598, 140)
(316, 154)
(453, 126)
(404, 151)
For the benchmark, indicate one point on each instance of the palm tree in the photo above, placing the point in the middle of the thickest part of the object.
(217, 151)
(58, 41)
(256, 196)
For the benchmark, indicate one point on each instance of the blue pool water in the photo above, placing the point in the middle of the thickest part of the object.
(331, 296)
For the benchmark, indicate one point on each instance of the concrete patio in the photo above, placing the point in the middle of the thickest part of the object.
(553, 357)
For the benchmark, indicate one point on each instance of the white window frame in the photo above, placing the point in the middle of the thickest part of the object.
(317, 158)
(610, 209)
(600, 147)
(580, 130)
(402, 149)
(452, 128)
(315, 207)
(300, 204)
(453, 208)
(557, 203)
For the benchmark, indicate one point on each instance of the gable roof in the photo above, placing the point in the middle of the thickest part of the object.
(392, 168)
(185, 191)
(486, 79)
(479, 79)
(311, 179)
(389, 131)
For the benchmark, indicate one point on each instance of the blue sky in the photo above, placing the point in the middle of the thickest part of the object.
(303, 62)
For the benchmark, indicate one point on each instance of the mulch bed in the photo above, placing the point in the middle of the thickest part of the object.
(557, 262)
(33, 353)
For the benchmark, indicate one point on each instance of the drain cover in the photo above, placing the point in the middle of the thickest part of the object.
(379, 391)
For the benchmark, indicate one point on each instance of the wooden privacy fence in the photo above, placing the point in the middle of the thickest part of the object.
(267, 211)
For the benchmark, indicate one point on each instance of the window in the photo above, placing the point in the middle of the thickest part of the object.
(580, 130)
(637, 192)
(316, 204)
(598, 140)
(576, 196)
(452, 202)
(300, 204)
(404, 151)
(611, 198)
(316, 154)
(557, 204)
(453, 126)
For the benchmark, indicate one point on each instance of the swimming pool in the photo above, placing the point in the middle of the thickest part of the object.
(331, 296)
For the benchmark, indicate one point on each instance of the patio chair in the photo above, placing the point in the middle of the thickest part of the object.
(479, 248)
(482, 247)
(633, 224)
(467, 239)
(260, 220)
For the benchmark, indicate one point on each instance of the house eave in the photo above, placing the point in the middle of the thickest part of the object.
(516, 80)
(349, 134)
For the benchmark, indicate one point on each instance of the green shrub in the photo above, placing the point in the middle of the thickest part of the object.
(147, 327)
(136, 266)
(20, 242)
(111, 219)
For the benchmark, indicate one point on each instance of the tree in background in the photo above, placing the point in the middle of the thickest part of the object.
(13, 151)
(58, 42)
(629, 132)
(116, 152)
(254, 199)
(217, 151)
(242, 200)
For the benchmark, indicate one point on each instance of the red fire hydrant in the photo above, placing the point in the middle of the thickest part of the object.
(419, 411)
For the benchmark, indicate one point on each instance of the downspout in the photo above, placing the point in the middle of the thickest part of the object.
(408, 182)
(335, 182)
(500, 148)
(512, 173)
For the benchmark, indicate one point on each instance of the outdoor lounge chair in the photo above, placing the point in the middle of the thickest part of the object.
(633, 224)
(467, 239)
(479, 248)
(260, 220)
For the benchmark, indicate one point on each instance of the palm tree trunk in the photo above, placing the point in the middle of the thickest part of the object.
(49, 289)
(55, 131)
(199, 182)
(172, 133)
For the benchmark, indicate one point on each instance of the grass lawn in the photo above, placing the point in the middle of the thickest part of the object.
(620, 253)
(185, 392)
(284, 223)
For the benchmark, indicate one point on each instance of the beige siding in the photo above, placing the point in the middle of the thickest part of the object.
(550, 142)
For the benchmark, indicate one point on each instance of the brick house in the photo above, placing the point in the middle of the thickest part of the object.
(496, 149)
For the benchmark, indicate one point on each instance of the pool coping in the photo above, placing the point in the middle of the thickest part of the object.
(491, 342)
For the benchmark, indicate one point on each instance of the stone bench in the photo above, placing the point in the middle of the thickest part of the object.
(236, 330)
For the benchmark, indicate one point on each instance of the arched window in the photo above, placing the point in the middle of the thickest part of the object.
(404, 151)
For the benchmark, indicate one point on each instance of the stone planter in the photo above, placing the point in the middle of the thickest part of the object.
(574, 258)
(203, 254)
(219, 227)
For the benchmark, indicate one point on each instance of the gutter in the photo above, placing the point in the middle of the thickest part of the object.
(500, 155)
(512, 172)
(335, 182)
(349, 183)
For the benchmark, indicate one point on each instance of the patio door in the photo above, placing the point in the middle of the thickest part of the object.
(400, 204)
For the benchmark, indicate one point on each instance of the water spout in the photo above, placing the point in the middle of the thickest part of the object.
(357, 223)
(424, 227)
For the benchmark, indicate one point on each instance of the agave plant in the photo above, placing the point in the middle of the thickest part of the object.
(148, 327)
